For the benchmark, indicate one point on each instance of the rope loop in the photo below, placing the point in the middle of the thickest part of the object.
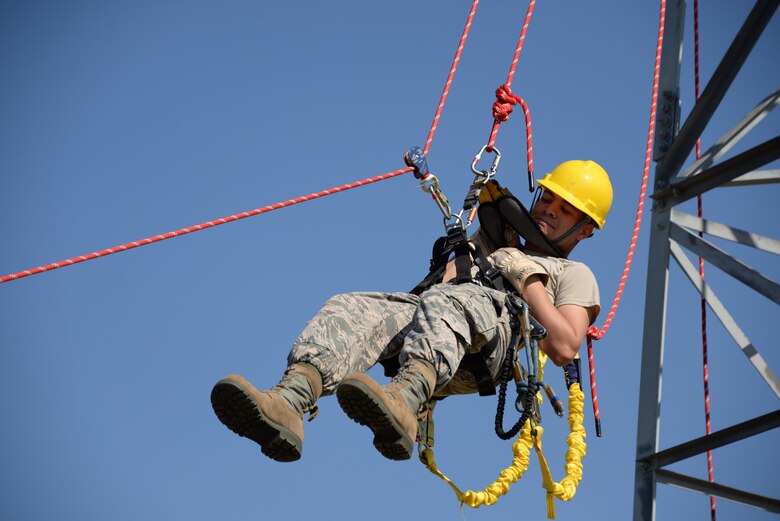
(502, 108)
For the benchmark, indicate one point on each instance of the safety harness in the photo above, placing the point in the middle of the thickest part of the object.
(497, 209)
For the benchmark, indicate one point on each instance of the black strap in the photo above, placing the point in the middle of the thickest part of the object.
(491, 275)
(457, 243)
(507, 209)
(492, 224)
(476, 364)
(463, 263)
(456, 237)
(493, 217)
(439, 257)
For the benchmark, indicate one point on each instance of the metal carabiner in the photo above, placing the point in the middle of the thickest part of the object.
(430, 184)
(457, 220)
(532, 349)
(485, 175)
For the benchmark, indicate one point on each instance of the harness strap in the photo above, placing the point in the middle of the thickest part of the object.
(476, 364)
(439, 258)
(496, 209)
(463, 260)
(490, 274)
(508, 210)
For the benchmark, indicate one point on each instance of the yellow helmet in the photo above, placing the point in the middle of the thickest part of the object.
(584, 185)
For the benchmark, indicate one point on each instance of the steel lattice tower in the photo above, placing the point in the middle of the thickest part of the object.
(673, 232)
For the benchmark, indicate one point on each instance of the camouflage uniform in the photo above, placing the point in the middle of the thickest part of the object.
(354, 331)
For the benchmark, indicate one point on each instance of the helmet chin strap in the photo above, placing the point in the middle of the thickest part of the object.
(536, 197)
(573, 229)
(586, 220)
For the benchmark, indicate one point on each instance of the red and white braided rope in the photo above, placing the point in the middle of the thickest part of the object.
(269, 208)
(593, 332)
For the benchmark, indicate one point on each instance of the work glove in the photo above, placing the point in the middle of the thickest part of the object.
(516, 267)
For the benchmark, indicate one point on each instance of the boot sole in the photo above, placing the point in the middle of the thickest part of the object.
(237, 409)
(359, 403)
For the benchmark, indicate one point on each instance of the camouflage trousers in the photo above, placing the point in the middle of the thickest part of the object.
(354, 331)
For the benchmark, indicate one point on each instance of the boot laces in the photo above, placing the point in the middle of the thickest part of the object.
(400, 376)
(311, 408)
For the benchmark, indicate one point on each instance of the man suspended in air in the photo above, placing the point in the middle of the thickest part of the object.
(430, 332)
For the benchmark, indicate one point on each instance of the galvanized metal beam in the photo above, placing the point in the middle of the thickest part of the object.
(684, 188)
(737, 269)
(724, 231)
(733, 136)
(742, 341)
(649, 412)
(671, 151)
(716, 88)
(717, 439)
(759, 177)
(667, 115)
(720, 491)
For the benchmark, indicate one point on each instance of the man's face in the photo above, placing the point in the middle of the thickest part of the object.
(555, 216)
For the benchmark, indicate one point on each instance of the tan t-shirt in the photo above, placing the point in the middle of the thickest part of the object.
(570, 282)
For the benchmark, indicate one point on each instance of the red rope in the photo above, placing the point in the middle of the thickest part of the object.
(502, 108)
(593, 332)
(265, 209)
(450, 76)
(593, 391)
(700, 207)
(198, 227)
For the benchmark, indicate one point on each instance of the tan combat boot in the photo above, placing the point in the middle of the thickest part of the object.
(273, 419)
(390, 411)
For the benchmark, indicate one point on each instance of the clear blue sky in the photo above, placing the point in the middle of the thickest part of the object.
(121, 120)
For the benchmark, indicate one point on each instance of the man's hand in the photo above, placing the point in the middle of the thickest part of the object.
(516, 267)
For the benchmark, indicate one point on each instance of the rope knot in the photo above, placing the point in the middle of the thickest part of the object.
(505, 100)
(595, 333)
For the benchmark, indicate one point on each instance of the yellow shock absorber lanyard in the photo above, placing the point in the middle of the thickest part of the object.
(530, 436)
